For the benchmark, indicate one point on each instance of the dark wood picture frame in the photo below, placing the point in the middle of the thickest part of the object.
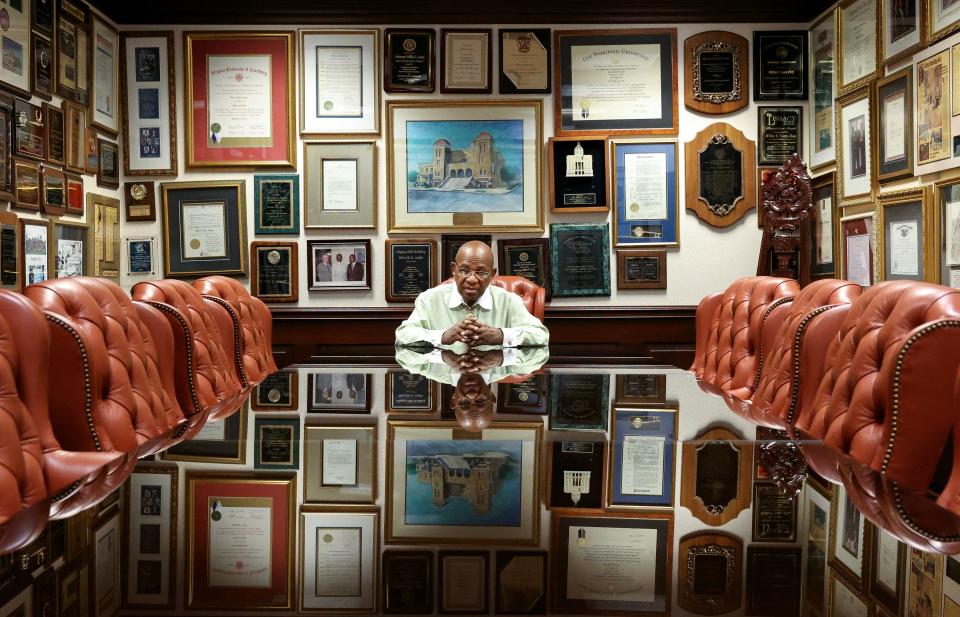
(501, 562)
(42, 75)
(740, 493)
(56, 142)
(264, 392)
(390, 394)
(653, 392)
(28, 197)
(140, 201)
(410, 582)
(50, 177)
(446, 88)
(773, 576)
(711, 545)
(646, 258)
(485, 556)
(601, 167)
(584, 455)
(108, 174)
(256, 275)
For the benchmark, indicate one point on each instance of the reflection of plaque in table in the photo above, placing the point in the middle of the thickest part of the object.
(275, 391)
(647, 389)
(717, 467)
(276, 444)
(580, 260)
(409, 60)
(410, 392)
(773, 581)
(781, 134)
(410, 269)
(780, 65)
(407, 580)
(572, 462)
(578, 191)
(710, 573)
(774, 514)
(717, 487)
(521, 582)
(579, 401)
(528, 396)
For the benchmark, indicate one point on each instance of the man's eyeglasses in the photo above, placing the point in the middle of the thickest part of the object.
(481, 276)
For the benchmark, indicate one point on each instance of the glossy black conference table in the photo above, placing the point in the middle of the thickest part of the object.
(572, 490)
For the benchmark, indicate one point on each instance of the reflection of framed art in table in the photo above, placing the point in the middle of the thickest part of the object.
(504, 509)
(73, 581)
(462, 582)
(278, 392)
(222, 441)
(274, 271)
(340, 464)
(718, 470)
(710, 573)
(150, 559)
(407, 582)
(409, 394)
(859, 49)
(575, 474)
(239, 99)
(774, 513)
(340, 185)
(611, 563)
(106, 567)
(848, 547)
(903, 249)
(615, 82)
(846, 601)
(339, 392)
(856, 249)
(641, 389)
(773, 581)
(149, 103)
(240, 534)
(642, 457)
(894, 98)
(823, 85)
(340, 553)
(520, 583)
(888, 558)
(817, 523)
(579, 401)
(276, 204)
(104, 76)
(276, 443)
(20, 603)
(530, 396)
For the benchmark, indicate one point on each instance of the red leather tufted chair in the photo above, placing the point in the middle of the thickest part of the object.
(252, 326)
(204, 376)
(791, 373)
(735, 327)
(534, 297)
(882, 400)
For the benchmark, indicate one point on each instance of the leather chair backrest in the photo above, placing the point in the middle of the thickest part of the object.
(252, 325)
(739, 325)
(534, 297)
(884, 398)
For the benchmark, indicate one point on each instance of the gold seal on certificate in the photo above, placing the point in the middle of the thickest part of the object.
(239, 91)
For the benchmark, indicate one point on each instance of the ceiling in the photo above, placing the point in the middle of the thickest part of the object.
(388, 12)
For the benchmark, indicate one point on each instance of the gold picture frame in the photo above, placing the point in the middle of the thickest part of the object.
(103, 216)
(364, 490)
(867, 77)
(861, 149)
(886, 203)
(166, 87)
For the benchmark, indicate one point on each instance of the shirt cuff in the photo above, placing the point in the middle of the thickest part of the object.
(511, 336)
(433, 336)
(509, 355)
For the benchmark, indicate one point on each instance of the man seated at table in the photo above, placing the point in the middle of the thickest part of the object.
(470, 310)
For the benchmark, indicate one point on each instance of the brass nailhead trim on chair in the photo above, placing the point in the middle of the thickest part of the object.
(186, 333)
(797, 339)
(898, 498)
(237, 355)
(65, 492)
(85, 359)
(761, 359)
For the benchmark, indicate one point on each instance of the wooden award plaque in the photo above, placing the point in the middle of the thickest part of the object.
(721, 179)
(716, 67)
(710, 573)
(718, 488)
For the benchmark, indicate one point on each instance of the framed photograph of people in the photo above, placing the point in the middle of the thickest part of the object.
(637, 269)
(817, 524)
(488, 178)
(895, 126)
(240, 538)
(823, 83)
(41, 71)
(580, 260)
(579, 401)
(410, 394)
(575, 475)
(340, 464)
(462, 582)
(407, 582)
(902, 30)
(150, 553)
(34, 251)
(339, 392)
(338, 265)
(578, 174)
(856, 248)
(615, 82)
(924, 583)
(240, 99)
(411, 268)
(858, 61)
(339, 82)
(276, 443)
(847, 541)
(408, 60)
(824, 243)
(425, 458)
(222, 441)
(148, 100)
(278, 392)
(530, 396)
(10, 258)
(943, 19)
(275, 277)
(108, 164)
(103, 216)
(645, 190)
(276, 204)
(17, 50)
(106, 566)
(524, 61)
(520, 582)
(855, 165)
(141, 256)
(73, 256)
(105, 76)
(466, 58)
(204, 228)
(902, 246)
(780, 65)
(642, 458)
(340, 185)
(53, 193)
(946, 244)
(340, 553)
(611, 563)
(888, 565)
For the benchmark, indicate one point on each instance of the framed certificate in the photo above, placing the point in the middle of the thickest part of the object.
(611, 563)
(716, 64)
(780, 65)
(710, 573)
(858, 61)
(105, 554)
(856, 248)
(141, 256)
(408, 60)
(888, 566)
(276, 443)
(902, 241)
(103, 216)
(642, 457)
(855, 163)
(579, 401)
(10, 258)
(17, 49)
(275, 277)
(108, 164)
(524, 61)
(943, 18)
(105, 77)
(41, 71)
(149, 103)
(847, 541)
(340, 464)
(338, 571)
(276, 202)
(223, 441)
(465, 61)
(578, 174)
(824, 245)
(902, 29)
(340, 185)
(411, 268)
(407, 582)
(463, 583)
(895, 126)
(278, 392)
(575, 475)
(720, 184)
(823, 49)
(580, 260)
(946, 244)
(526, 257)
(338, 265)
(773, 581)
(204, 228)
(73, 256)
(616, 82)
(520, 585)
(53, 193)
(150, 552)
(339, 82)
(780, 134)
(409, 394)
(34, 251)
(239, 89)
(240, 532)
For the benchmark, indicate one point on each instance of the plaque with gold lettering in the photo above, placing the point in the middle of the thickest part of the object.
(780, 65)
(721, 185)
(780, 131)
(526, 257)
(580, 260)
(579, 401)
(29, 131)
(408, 60)
(716, 66)
(410, 394)
(411, 268)
(774, 513)
(274, 271)
(527, 397)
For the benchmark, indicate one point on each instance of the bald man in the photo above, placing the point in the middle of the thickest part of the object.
(469, 310)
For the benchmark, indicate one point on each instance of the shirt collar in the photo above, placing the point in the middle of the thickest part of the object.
(485, 302)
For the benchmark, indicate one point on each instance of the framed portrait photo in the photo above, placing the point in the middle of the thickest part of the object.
(855, 164)
(823, 84)
(943, 19)
(274, 276)
(848, 540)
(902, 28)
(340, 464)
(149, 103)
(340, 185)
(104, 76)
(524, 61)
(858, 61)
(150, 554)
(895, 126)
(338, 265)
(340, 553)
(902, 242)
(488, 175)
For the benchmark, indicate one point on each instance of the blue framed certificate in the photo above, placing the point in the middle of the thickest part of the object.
(644, 455)
(645, 194)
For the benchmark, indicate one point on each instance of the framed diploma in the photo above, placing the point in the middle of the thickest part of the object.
(465, 61)
(520, 585)
(339, 82)
(338, 571)
(411, 268)
(407, 582)
(578, 174)
(450, 245)
(524, 61)
(150, 550)
(616, 82)
(946, 244)
(924, 582)
(856, 249)
(642, 458)
(204, 228)
(103, 216)
(41, 71)
(75, 127)
(55, 145)
(409, 394)
(140, 201)
(710, 573)
(465, 166)
(716, 484)
(240, 533)
(10, 258)
(943, 18)
(816, 508)
(338, 265)
(847, 551)
(575, 475)
(339, 392)
(17, 49)
(462, 582)
(278, 392)
(340, 464)
(53, 193)
(858, 60)
(611, 563)
(34, 251)
(106, 567)
(73, 256)
(239, 99)
(638, 269)
(105, 76)
(774, 513)
(141, 256)
(340, 184)
(773, 577)
(30, 131)
(26, 179)
(149, 103)
(503, 509)
(276, 443)
(902, 30)
(408, 60)
(823, 49)
(276, 202)
(895, 126)
(902, 242)
(530, 396)
(44, 16)
(720, 186)
(824, 245)
(580, 260)
(855, 163)
(275, 277)
(579, 401)
(223, 441)
(780, 65)
(108, 164)
(888, 566)
(716, 65)
(780, 133)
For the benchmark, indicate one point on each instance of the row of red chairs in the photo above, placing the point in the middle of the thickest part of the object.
(92, 379)
(866, 381)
